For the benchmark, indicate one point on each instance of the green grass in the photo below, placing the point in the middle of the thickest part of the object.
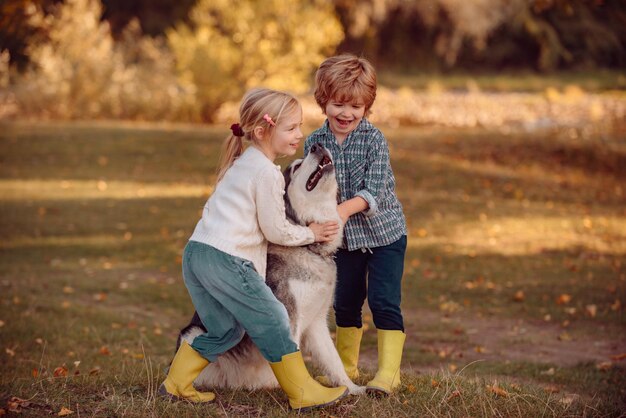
(594, 81)
(93, 220)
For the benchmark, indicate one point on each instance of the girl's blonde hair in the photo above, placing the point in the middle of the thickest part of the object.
(256, 103)
(345, 78)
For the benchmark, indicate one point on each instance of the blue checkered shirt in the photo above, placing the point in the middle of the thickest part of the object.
(363, 169)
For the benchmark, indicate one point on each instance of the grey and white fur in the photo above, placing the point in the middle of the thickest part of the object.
(302, 278)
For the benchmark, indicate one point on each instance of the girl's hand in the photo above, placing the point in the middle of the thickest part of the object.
(324, 232)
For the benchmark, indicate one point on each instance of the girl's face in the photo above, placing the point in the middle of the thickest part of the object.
(344, 117)
(286, 137)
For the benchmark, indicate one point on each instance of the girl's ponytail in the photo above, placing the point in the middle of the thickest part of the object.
(231, 149)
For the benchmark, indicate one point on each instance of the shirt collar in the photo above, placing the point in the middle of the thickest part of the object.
(363, 126)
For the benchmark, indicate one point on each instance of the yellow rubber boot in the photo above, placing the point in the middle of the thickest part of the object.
(302, 390)
(390, 345)
(348, 347)
(185, 367)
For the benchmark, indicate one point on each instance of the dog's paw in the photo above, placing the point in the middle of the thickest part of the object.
(356, 390)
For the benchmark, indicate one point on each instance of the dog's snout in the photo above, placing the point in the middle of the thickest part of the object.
(316, 146)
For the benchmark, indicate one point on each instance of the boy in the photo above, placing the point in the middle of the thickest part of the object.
(371, 260)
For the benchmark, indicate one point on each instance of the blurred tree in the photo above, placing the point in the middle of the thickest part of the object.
(234, 45)
(15, 29)
(78, 71)
(544, 34)
(154, 16)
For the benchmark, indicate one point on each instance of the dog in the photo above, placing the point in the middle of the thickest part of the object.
(302, 278)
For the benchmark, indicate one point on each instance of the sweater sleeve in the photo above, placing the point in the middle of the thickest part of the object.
(270, 188)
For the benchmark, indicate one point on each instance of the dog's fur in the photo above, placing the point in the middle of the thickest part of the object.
(302, 278)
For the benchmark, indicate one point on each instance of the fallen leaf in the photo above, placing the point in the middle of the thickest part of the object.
(1, 323)
(480, 349)
(591, 310)
(104, 350)
(519, 296)
(569, 399)
(434, 383)
(618, 357)
(552, 389)
(455, 394)
(563, 299)
(452, 367)
(498, 391)
(68, 290)
(15, 404)
(35, 373)
(100, 297)
(10, 351)
(564, 337)
(604, 366)
(65, 411)
(60, 371)
(549, 372)
(411, 388)
(94, 371)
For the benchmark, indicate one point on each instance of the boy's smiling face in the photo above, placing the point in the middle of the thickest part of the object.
(344, 117)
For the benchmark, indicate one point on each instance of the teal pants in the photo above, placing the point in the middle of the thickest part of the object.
(231, 299)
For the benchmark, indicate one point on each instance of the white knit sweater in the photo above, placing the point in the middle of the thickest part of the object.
(247, 210)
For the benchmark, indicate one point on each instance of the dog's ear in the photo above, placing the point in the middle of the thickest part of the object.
(294, 166)
(288, 173)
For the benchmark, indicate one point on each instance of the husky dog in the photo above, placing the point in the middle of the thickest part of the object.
(302, 278)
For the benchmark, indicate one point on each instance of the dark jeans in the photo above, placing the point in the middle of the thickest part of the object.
(377, 275)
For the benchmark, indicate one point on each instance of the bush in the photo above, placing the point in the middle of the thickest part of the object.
(80, 72)
(231, 46)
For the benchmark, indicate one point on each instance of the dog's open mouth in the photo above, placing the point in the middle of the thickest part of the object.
(314, 178)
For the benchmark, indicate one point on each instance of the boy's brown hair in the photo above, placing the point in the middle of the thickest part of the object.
(345, 78)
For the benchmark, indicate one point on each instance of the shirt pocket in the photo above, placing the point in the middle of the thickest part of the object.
(358, 171)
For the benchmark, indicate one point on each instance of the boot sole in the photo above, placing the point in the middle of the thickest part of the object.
(377, 391)
(309, 408)
(163, 393)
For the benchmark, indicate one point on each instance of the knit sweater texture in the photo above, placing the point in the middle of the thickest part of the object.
(247, 210)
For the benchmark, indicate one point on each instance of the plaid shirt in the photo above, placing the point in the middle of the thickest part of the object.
(363, 169)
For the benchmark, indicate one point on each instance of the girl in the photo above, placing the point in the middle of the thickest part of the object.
(224, 262)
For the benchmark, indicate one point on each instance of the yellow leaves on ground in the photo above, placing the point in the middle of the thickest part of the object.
(519, 296)
(497, 391)
(60, 371)
(564, 336)
(16, 405)
(64, 412)
(563, 299)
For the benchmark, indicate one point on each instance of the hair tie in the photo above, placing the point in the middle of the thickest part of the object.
(237, 131)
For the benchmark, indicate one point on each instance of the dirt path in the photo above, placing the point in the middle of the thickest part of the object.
(501, 339)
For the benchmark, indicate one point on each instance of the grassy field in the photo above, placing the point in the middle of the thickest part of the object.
(513, 297)
(523, 81)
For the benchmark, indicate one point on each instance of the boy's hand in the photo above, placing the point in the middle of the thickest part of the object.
(343, 213)
(324, 232)
(350, 207)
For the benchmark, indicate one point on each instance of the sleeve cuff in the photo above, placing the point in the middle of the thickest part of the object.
(371, 202)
